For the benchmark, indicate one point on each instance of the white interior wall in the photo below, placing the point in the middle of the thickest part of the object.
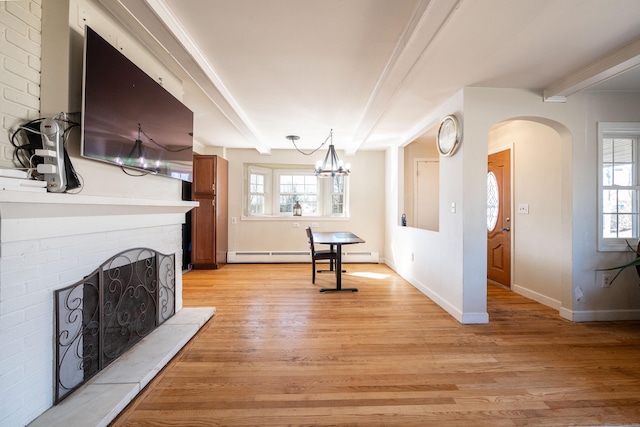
(366, 204)
(622, 299)
(458, 281)
(485, 107)
(434, 262)
(450, 266)
(535, 182)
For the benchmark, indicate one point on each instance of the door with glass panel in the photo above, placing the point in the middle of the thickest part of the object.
(499, 218)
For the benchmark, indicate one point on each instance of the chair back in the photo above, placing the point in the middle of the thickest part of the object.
(310, 236)
(638, 256)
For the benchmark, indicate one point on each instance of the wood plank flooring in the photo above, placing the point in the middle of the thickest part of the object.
(280, 353)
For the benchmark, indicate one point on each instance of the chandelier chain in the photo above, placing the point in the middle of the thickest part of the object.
(308, 153)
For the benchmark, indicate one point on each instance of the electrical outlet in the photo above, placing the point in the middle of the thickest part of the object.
(606, 279)
(412, 257)
(314, 225)
(233, 220)
(295, 225)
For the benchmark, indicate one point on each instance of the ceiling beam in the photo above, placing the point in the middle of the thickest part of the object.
(426, 23)
(610, 65)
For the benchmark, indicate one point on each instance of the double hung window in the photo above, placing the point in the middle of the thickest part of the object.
(273, 192)
(296, 187)
(619, 189)
(258, 191)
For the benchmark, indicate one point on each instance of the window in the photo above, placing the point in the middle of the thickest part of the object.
(301, 188)
(259, 180)
(317, 196)
(493, 201)
(338, 195)
(618, 207)
(256, 193)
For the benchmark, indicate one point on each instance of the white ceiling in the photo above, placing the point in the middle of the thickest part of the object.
(373, 70)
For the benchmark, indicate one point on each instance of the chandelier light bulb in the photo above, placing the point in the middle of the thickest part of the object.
(331, 166)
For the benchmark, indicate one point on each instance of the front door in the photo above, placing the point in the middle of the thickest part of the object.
(499, 218)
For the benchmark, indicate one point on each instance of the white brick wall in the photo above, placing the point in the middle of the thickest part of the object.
(30, 271)
(19, 69)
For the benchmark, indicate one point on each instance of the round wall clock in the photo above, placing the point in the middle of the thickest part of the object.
(449, 135)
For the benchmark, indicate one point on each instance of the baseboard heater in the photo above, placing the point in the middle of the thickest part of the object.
(265, 257)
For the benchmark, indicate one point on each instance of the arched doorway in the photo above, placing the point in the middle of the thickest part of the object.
(535, 223)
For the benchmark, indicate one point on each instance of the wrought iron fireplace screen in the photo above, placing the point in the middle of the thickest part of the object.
(108, 312)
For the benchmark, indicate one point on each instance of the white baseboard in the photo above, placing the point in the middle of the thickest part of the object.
(475, 318)
(599, 315)
(538, 297)
(464, 318)
(266, 257)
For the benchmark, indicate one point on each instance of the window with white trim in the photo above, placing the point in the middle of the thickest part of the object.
(297, 187)
(338, 194)
(256, 193)
(259, 180)
(274, 191)
(618, 189)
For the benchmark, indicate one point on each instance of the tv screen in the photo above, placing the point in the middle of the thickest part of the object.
(129, 119)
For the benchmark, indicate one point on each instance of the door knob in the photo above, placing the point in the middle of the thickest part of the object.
(506, 229)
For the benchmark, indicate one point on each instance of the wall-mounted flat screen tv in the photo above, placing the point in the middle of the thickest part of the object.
(129, 119)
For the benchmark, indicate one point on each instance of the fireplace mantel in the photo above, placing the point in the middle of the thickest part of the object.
(29, 215)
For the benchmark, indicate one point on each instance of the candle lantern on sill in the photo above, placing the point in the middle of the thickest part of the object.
(297, 209)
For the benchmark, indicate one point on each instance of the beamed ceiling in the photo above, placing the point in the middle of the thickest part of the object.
(255, 71)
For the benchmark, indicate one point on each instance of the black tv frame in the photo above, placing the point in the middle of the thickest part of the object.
(128, 119)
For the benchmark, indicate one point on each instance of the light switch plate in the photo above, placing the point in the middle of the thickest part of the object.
(523, 208)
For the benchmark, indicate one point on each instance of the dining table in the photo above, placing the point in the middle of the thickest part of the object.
(337, 239)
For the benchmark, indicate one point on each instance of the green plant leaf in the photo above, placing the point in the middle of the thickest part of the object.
(634, 263)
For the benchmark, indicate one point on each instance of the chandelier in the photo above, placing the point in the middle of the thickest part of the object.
(332, 165)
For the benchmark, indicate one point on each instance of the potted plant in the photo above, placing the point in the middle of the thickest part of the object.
(635, 263)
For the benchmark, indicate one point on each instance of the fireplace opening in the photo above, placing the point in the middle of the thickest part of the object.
(105, 314)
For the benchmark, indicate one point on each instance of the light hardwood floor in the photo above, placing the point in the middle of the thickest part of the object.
(280, 353)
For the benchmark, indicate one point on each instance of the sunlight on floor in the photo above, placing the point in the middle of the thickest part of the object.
(369, 275)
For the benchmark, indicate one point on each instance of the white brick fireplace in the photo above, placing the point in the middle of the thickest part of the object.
(49, 241)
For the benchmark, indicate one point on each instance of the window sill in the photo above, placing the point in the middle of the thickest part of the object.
(294, 218)
(617, 245)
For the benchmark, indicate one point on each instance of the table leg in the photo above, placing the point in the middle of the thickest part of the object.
(339, 287)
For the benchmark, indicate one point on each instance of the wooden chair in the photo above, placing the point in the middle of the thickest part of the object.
(638, 256)
(330, 255)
